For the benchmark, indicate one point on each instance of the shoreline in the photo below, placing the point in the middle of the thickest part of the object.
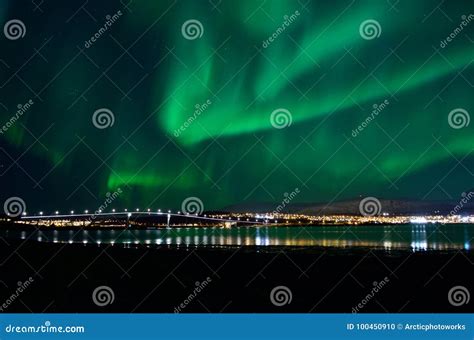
(31, 226)
(157, 280)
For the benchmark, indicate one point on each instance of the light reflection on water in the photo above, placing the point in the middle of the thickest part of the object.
(417, 237)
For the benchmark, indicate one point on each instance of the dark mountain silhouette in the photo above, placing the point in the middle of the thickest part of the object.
(351, 207)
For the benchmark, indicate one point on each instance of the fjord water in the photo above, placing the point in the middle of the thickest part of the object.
(413, 237)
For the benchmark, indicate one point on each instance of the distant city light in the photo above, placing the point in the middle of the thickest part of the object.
(418, 220)
(247, 218)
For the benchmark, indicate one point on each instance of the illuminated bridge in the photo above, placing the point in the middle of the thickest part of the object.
(145, 218)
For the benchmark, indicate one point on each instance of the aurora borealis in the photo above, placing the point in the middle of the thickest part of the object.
(220, 89)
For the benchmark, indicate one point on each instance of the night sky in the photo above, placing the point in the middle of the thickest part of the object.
(350, 99)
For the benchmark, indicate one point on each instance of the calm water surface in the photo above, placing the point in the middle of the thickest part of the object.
(401, 237)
